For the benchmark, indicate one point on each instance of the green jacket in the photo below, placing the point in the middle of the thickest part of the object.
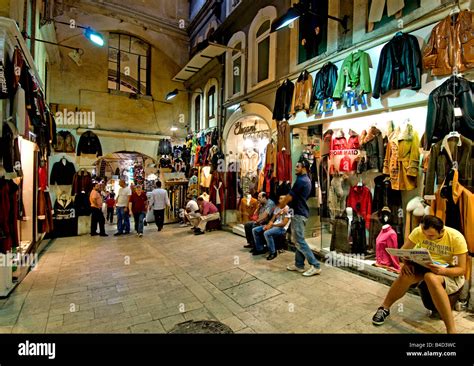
(354, 74)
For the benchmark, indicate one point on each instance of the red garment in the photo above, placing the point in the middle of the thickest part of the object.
(138, 202)
(110, 202)
(353, 142)
(387, 238)
(339, 143)
(360, 199)
(345, 165)
(208, 208)
(284, 166)
(43, 177)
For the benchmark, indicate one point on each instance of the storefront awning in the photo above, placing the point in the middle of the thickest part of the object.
(199, 60)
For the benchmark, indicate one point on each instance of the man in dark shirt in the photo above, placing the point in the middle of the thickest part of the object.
(296, 199)
(138, 205)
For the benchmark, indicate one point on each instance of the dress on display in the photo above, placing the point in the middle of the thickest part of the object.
(247, 208)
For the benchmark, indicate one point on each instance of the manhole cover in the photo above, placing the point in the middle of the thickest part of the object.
(201, 327)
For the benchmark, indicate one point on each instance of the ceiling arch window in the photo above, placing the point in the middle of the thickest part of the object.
(196, 112)
(210, 103)
(235, 66)
(262, 46)
(129, 64)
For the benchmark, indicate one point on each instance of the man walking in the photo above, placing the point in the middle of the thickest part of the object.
(110, 202)
(95, 200)
(296, 199)
(138, 207)
(159, 201)
(123, 216)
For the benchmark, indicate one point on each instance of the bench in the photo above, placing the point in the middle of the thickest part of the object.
(213, 225)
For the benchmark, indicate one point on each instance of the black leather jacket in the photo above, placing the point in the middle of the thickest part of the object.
(440, 120)
(325, 82)
(399, 65)
(89, 143)
(283, 99)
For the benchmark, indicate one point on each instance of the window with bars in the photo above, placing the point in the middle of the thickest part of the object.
(237, 69)
(197, 113)
(211, 103)
(129, 64)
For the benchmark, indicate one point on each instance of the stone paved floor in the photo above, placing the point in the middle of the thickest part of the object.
(148, 285)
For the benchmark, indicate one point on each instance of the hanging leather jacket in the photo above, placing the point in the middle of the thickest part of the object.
(451, 44)
(399, 65)
(325, 82)
(440, 119)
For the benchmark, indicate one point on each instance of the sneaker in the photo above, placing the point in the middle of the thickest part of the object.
(292, 267)
(380, 316)
(118, 234)
(140, 235)
(312, 271)
(183, 225)
(199, 232)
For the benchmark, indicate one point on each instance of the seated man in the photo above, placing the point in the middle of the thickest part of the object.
(264, 210)
(277, 226)
(447, 246)
(208, 212)
(191, 211)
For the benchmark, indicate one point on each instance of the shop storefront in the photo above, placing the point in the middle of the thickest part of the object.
(249, 136)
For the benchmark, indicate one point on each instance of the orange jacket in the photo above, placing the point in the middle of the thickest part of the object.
(465, 200)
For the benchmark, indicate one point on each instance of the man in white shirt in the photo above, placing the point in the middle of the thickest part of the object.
(158, 202)
(192, 211)
(123, 216)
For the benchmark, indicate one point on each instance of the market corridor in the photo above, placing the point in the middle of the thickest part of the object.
(127, 284)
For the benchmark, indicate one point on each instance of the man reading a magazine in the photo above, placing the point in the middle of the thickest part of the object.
(447, 246)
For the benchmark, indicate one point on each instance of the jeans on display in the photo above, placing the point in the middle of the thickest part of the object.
(97, 218)
(159, 218)
(270, 237)
(303, 251)
(139, 217)
(123, 220)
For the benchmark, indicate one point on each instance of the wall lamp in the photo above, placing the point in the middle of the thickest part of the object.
(175, 92)
(301, 9)
(89, 33)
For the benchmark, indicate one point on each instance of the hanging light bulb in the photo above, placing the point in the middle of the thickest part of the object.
(94, 37)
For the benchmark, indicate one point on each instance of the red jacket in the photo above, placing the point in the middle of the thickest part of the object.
(339, 143)
(345, 164)
(360, 199)
(353, 142)
(284, 166)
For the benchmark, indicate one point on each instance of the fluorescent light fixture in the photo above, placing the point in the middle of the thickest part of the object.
(172, 94)
(174, 128)
(94, 36)
(291, 15)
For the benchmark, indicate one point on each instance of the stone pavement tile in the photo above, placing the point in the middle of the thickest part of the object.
(78, 317)
(251, 293)
(29, 328)
(170, 322)
(246, 331)
(65, 290)
(229, 279)
(8, 320)
(32, 307)
(234, 323)
(108, 310)
(6, 330)
(92, 305)
(218, 309)
(259, 326)
(149, 327)
(199, 314)
(161, 312)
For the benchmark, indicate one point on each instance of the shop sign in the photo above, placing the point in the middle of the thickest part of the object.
(251, 131)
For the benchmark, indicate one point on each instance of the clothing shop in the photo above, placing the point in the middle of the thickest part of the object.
(250, 161)
(27, 131)
(384, 141)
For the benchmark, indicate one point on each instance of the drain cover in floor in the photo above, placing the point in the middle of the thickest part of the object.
(201, 327)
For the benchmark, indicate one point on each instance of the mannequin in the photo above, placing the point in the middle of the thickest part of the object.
(387, 238)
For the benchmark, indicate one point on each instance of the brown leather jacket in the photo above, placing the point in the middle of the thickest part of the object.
(302, 94)
(451, 44)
